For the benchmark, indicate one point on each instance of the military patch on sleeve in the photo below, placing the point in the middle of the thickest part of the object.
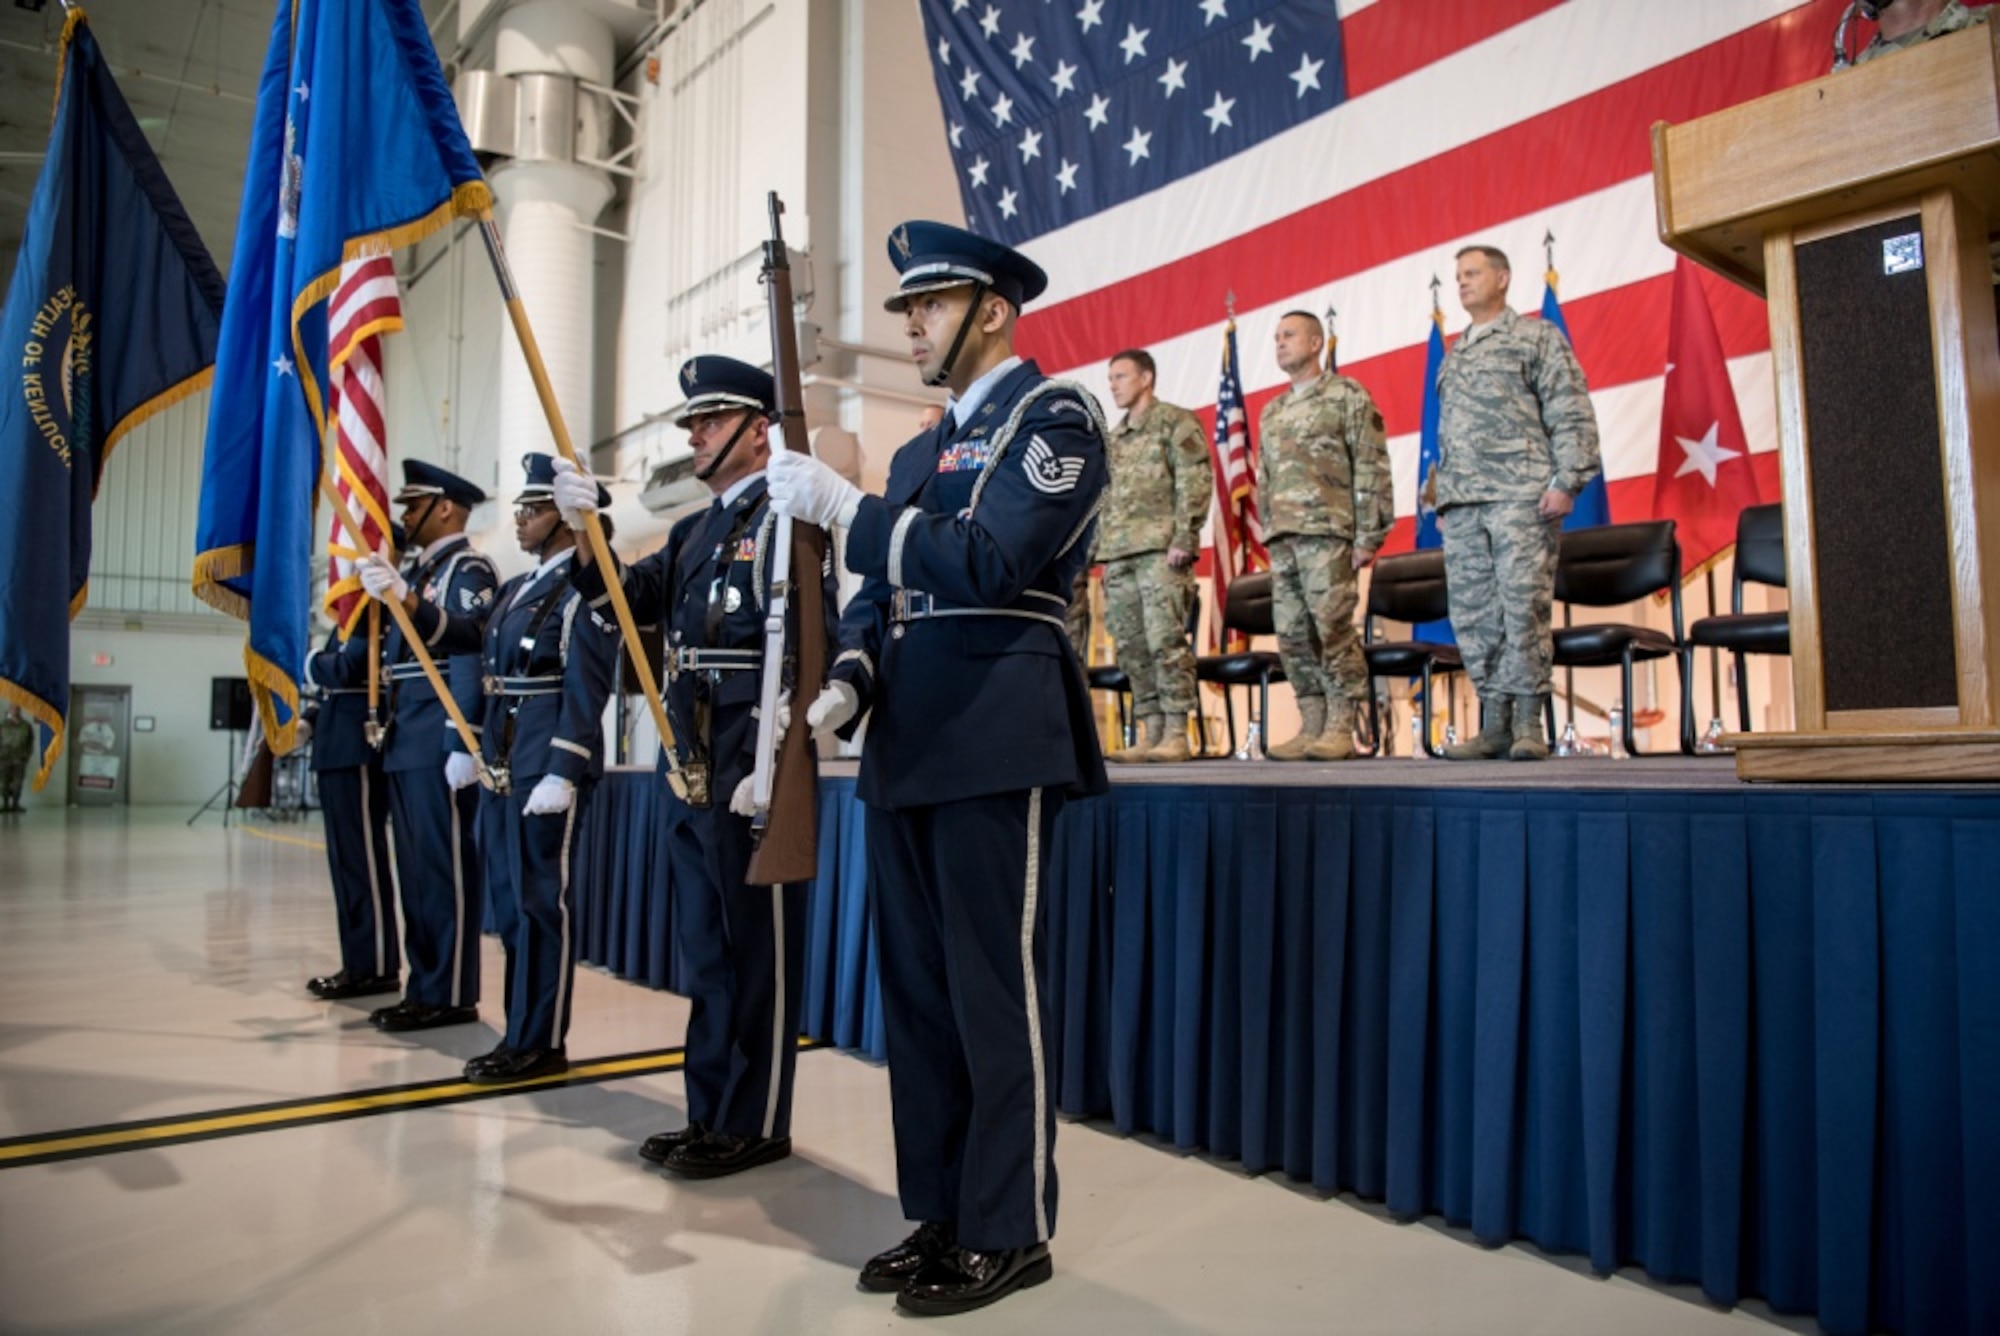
(1048, 471)
(1058, 405)
(475, 599)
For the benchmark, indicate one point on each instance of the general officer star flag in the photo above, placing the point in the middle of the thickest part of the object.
(356, 149)
(112, 315)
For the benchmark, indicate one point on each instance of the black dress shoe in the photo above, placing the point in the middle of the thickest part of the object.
(965, 1280)
(333, 987)
(887, 1272)
(407, 1015)
(657, 1148)
(718, 1155)
(485, 1060)
(506, 1065)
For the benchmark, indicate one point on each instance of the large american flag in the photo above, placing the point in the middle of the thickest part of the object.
(1155, 157)
(366, 305)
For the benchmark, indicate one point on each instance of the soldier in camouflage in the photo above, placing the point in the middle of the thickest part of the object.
(1905, 23)
(17, 748)
(1517, 440)
(1324, 490)
(1148, 536)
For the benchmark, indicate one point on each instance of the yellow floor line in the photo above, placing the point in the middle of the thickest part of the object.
(43, 1148)
(299, 840)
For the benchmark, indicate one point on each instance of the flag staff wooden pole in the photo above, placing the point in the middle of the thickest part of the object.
(489, 231)
(410, 636)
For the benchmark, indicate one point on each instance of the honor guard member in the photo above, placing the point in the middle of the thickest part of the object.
(742, 946)
(546, 673)
(354, 807)
(17, 748)
(431, 801)
(980, 725)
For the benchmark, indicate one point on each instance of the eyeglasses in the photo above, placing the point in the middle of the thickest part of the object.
(531, 509)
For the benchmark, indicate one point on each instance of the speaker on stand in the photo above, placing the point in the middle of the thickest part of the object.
(230, 711)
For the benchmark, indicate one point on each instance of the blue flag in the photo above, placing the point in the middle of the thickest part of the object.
(1593, 503)
(112, 315)
(1427, 459)
(356, 149)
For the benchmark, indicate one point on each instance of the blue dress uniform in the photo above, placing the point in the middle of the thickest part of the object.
(742, 947)
(437, 864)
(979, 726)
(354, 805)
(547, 664)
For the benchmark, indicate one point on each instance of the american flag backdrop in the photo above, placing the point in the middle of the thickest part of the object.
(1157, 156)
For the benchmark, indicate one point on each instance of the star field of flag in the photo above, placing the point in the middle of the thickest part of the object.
(1059, 109)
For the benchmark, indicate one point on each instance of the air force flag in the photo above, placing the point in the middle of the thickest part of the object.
(356, 149)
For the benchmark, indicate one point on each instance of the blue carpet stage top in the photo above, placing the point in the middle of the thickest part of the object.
(1747, 1037)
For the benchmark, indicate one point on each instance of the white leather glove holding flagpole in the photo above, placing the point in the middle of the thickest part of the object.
(380, 579)
(575, 493)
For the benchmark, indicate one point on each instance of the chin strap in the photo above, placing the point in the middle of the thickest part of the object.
(979, 291)
(703, 475)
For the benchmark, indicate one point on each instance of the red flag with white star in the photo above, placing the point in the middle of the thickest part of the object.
(1704, 478)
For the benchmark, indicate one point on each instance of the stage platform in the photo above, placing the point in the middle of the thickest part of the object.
(1741, 1035)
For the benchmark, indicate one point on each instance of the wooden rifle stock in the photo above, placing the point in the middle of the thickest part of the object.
(788, 846)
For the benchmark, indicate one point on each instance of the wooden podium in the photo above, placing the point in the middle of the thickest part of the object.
(1860, 205)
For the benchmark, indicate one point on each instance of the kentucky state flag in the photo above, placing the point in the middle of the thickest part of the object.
(356, 149)
(112, 315)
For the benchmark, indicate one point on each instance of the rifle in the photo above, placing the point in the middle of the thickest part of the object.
(787, 801)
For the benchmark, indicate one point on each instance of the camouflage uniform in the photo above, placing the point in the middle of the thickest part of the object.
(1324, 490)
(1514, 421)
(1954, 17)
(1157, 499)
(17, 748)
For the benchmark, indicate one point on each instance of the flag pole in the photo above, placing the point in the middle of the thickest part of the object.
(410, 636)
(489, 232)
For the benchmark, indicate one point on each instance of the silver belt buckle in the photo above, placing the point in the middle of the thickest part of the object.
(489, 685)
(912, 604)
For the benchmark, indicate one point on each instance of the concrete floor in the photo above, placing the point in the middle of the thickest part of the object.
(149, 970)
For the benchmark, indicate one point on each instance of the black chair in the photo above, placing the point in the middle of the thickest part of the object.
(1110, 677)
(1246, 608)
(1760, 559)
(1409, 588)
(1611, 565)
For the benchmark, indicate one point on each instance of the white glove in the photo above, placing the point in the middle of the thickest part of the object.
(380, 579)
(741, 802)
(460, 770)
(303, 735)
(575, 494)
(835, 706)
(551, 794)
(808, 490)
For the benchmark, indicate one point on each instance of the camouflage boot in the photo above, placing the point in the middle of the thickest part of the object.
(1336, 741)
(1173, 745)
(1495, 736)
(1529, 744)
(1312, 722)
(1148, 735)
